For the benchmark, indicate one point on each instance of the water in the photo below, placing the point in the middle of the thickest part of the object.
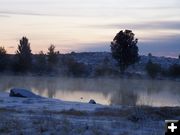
(103, 91)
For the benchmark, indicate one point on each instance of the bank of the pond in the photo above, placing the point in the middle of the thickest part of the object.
(52, 116)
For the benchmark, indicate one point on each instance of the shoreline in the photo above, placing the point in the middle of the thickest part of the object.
(92, 77)
(46, 116)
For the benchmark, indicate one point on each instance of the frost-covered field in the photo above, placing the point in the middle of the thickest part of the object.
(23, 116)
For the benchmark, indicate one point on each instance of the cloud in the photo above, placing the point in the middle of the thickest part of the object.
(40, 13)
(164, 46)
(11, 47)
(175, 25)
(5, 13)
(94, 47)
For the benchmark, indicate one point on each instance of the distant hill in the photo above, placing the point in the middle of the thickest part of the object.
(94, 59)
(89, 64)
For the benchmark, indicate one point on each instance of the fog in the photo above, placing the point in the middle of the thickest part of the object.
(110, 91)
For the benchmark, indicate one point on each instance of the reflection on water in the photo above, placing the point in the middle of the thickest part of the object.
(104, 91)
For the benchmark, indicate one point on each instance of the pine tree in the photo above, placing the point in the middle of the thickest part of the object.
(52, 56)
(124, 49)
(3, 59)
(24, 55)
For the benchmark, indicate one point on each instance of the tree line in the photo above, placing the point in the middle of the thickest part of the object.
(124, 50)
(154, 70)
(22, 61)
(42, 63)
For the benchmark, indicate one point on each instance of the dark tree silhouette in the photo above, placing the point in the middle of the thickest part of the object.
(2, 51)
(149, 55)
(174, 70)
(41, 63)
(124, 49)
(153, 69)
(24, 55)
(75, 68)
(105, 68)
(3, 59)
(52, 57)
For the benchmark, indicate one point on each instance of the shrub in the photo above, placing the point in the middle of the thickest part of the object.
(41, 63)
(174, 70)
(105, 71)
(153, 69)
(75, 68)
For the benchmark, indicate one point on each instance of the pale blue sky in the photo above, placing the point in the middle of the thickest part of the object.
(90, 25)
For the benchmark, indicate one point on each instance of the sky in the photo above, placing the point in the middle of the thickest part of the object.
(90, 25)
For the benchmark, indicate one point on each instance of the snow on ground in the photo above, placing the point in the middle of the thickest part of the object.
(41, 103)
(94, 58)
(51, 116)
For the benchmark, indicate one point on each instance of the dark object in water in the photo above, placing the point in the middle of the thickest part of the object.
(18, 92)
(92, 101)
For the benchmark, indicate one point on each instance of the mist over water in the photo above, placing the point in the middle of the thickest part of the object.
(103, 90)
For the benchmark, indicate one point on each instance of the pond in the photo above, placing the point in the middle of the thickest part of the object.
(106, 91)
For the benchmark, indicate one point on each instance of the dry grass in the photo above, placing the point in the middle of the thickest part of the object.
(49, 122)
(67, 112)
(111, 112)
(4, 110)
(9, 124)
(74, 112)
